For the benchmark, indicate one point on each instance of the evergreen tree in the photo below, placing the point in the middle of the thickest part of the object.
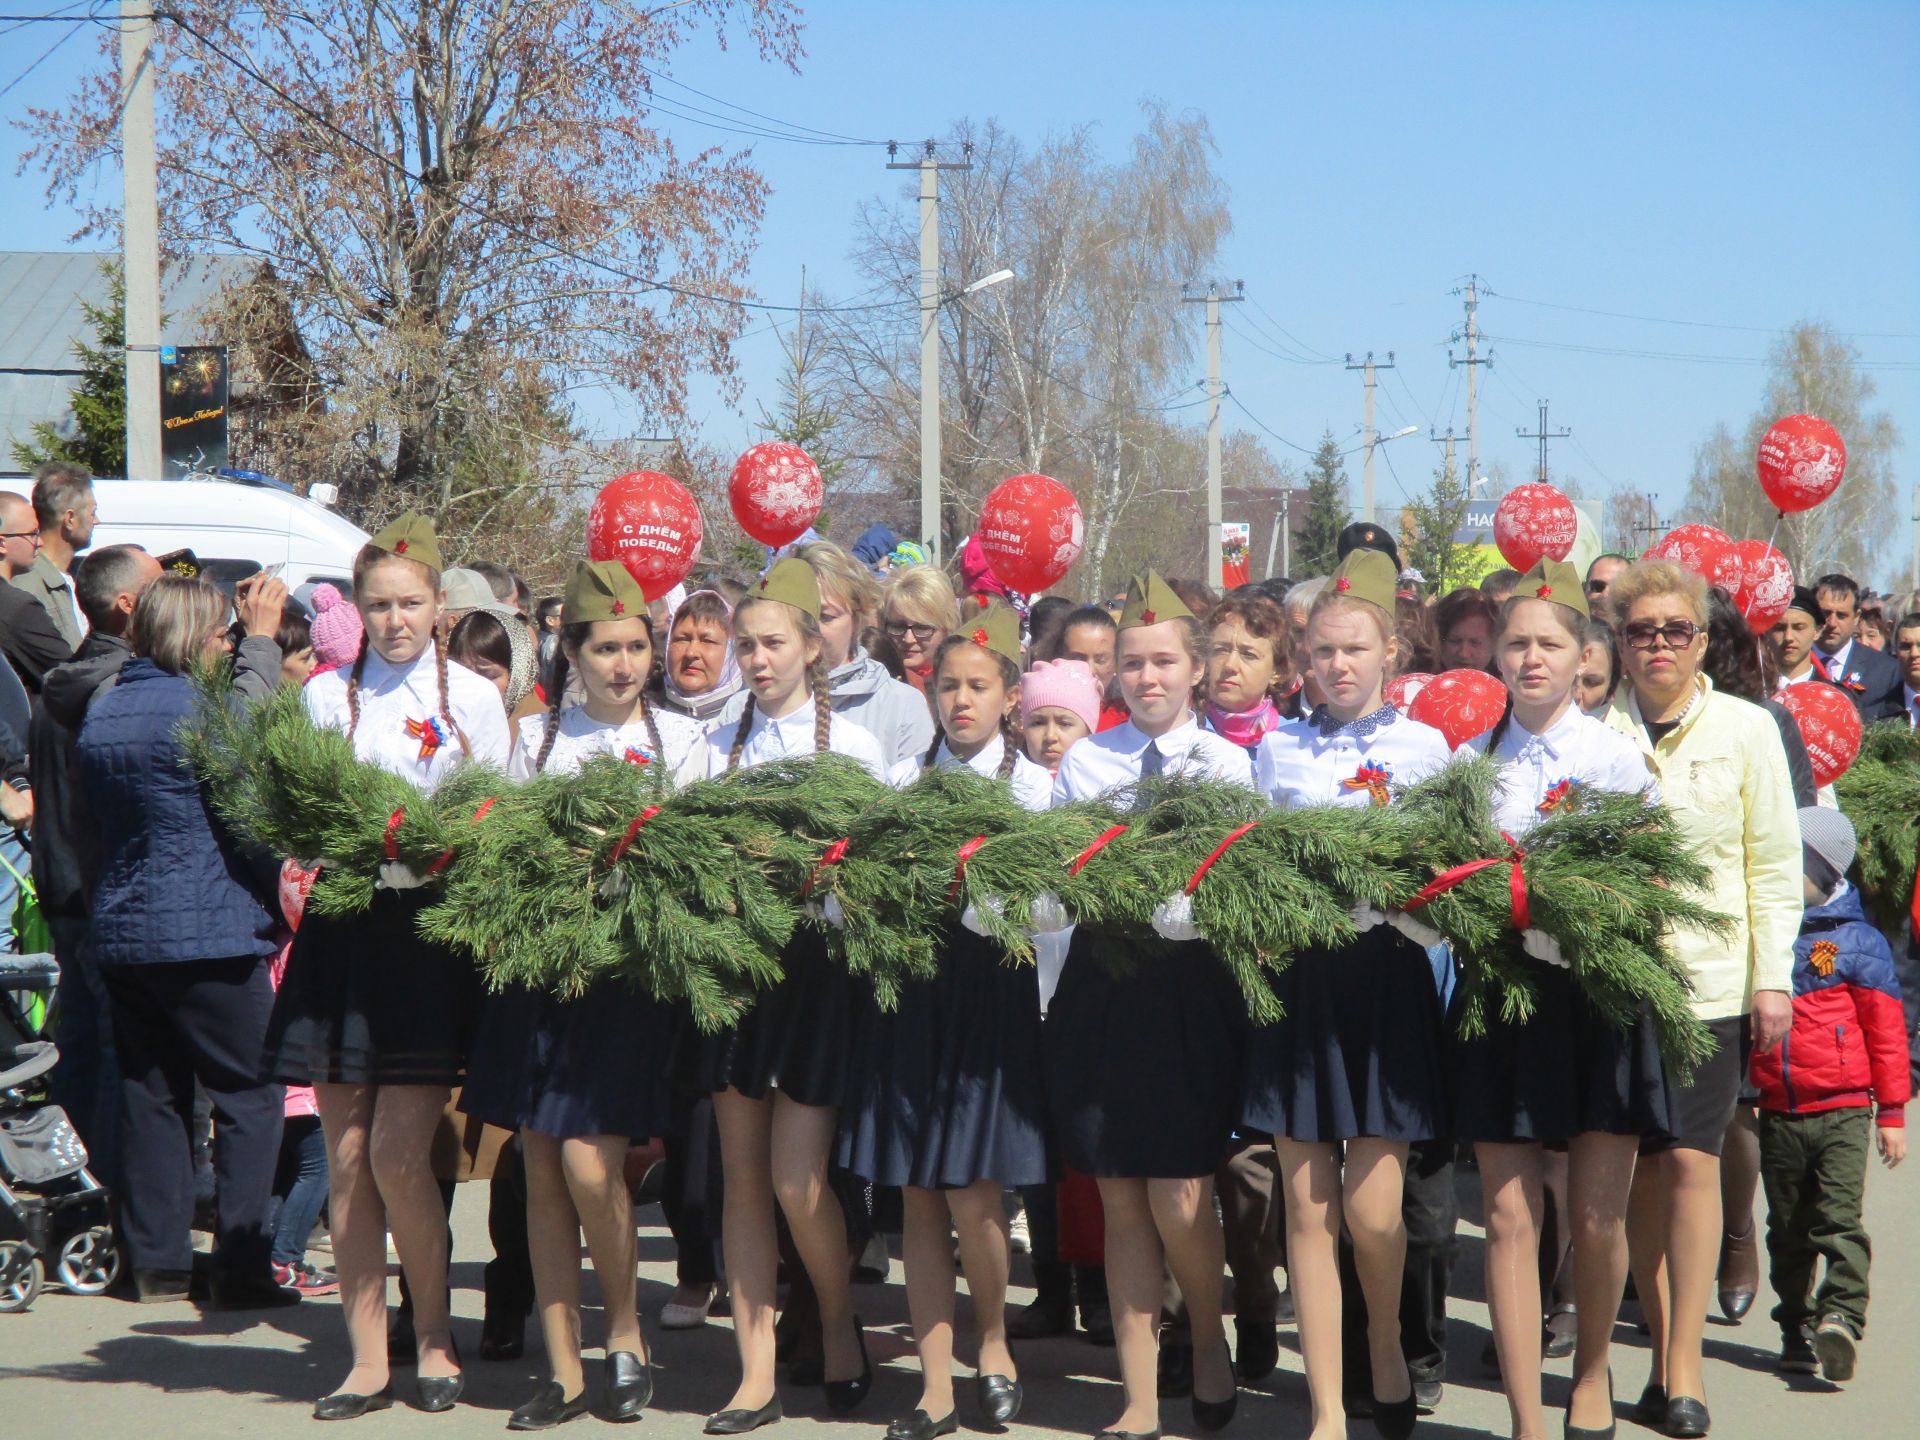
(804, 418)
(99, 439)
(1432, 522)
(1327, 511)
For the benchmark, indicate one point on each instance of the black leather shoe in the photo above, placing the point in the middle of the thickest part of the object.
(1212, 1415)
(1651, 1408)
(742, 1422)
(1395, 1419)
(921, 1426)
(1174, 1378)
(1097, 1320)
(1046, 1316)
(342, 1406)
(255, 1292)
(1256, 1350)
(629, 1386)
(1687, 1418)
(1153, 1434)
(550, 1407)
(435, 1393)
(846, 1396)
(157, 1287)
(503, 1336)
(1562, 1331)
(1581, 1432)
(1000, 1398)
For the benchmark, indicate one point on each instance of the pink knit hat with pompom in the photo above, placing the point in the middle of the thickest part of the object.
(336, 628)
(1068, 684)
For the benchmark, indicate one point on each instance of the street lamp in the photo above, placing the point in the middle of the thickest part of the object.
(930, 302)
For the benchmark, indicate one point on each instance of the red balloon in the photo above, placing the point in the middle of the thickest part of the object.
(1801, 462)
(1460, 704)
(1532, 521)
(1402, 689)
(1032, 530)
(1700, 548)
(1761, 584)
(1828, 723)
(775, 492)
(650, 524)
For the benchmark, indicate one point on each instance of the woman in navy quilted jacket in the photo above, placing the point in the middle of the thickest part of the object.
(183, 934)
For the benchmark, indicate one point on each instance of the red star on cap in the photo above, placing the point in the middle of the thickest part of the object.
(763, 581)
(1343, 583)
(619, 607)
(1146, 617)
(1544, 591)
(399, 547)
(979, 637)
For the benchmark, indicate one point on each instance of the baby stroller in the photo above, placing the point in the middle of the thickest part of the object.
(53, 1213)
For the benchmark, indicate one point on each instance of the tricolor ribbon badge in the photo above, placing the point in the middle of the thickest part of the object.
(636, 756)
(1854, 681)
(431, 734)
(1562, 795)
(1374, 779)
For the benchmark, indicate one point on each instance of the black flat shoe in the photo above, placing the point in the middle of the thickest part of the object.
(921, 1426)
(1256, 1352)
(1687, 1418)
(435, 1393)
(1395, 1419)
(550, 1407)
(741, 1422)
(846, 1396)
(1049, 1315)
(1153, 1434)
(342, 1406)
(1651, 1408)
(629, 1386)
(1000, 1398)
(1212, 1415)
(1173, 1378)
(503, 1336)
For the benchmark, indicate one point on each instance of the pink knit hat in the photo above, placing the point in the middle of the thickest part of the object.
(1067, 684)
(336, 628)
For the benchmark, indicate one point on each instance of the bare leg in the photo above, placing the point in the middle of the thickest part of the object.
(1599, 1175)
(1196, 1253)
(802, 1138)
(1693, 1254)
(986, 1255)
(1647, 1251)
(1311, 1175)
(748, 1237)
(596, 1177)
(1511, 1179)
(404, 1119)
(359, 1226)
(1374, 1190)
(553, 1242)
(929, 1262)
(1134, 1260)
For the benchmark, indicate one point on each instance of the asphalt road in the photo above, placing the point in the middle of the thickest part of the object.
(108, 1367)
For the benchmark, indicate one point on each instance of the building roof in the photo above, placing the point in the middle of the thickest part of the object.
(41, 293)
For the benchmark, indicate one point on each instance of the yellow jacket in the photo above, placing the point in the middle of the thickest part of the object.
(1723, 773)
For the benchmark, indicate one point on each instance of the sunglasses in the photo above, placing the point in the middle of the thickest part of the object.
(900, 629)
(1596, 587)
(1677, 633)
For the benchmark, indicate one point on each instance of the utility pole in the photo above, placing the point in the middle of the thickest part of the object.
(1472, 292)
(1218, 293)
(1653, 529)
(140, 229)
(929, 165)
(1366, 483)
(1542, 435)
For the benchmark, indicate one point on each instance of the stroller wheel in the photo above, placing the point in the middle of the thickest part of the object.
(89, 1262)
(21, 1276)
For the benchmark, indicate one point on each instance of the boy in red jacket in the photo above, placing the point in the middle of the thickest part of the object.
(1840, 1072)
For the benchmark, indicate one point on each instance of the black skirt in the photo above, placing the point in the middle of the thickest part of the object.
(796, 1039)
(1358, 1050)
(595, 1065)
(1144, 1058)
(1566, 1071)
(366, 1001)
(950, 1088)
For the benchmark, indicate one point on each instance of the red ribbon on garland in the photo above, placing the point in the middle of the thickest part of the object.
(633, 828)
(393, 828)
(1080, 861)
(832, 855)
(960, 858)
(446, 855)
(1218, 851)
(1516, 883)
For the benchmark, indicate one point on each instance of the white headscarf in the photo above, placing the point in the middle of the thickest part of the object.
(724, 689)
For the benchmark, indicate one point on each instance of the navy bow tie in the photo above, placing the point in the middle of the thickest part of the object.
(1329, 726)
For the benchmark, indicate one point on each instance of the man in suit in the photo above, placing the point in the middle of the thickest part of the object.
(1906, 654)
(1870, 678)
(28, 636)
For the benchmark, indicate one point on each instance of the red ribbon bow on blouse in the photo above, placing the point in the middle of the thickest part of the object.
(1563, 795)
(1373, 779)
(430, 733)
(637, 756)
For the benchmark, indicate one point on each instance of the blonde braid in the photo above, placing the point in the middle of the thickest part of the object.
(822, 705)
(353, 686)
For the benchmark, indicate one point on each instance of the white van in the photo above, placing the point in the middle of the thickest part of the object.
(236, 527)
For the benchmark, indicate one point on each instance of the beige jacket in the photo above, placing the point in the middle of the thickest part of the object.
(1723, 772)
(50, 585)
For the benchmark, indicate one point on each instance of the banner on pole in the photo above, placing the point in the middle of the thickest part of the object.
(193, 408)
(1236, 539)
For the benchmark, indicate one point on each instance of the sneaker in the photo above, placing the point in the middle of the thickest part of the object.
(1796, 1353)
(1018, 1235)
(305, 1278)
(1836, 1342)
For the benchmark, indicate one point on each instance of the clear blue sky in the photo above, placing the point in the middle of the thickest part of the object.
(1742, 165)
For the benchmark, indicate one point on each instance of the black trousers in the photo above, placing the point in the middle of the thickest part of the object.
(175, 1023)
(1432, 1213)
(689, 1198)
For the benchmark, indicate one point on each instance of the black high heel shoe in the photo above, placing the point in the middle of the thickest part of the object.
(1000, 1398)
(846, 1396)
(1582, 1432)
(629, 1386)
(342, 1406)
(1212, 1415)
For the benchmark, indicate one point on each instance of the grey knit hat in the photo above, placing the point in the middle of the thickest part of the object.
(1827, 844)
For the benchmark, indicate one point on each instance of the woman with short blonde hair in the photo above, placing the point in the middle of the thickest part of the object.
(176, 620)
(918, 609)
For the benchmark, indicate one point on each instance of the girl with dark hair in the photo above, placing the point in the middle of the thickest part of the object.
(1463, 630)
(375, 1018)
(778, 1077)
(497, 646)
(948, 1098)
(1599, 673)
(295, 639)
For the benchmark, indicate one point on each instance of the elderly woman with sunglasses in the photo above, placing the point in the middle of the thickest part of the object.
(1723, 771)
(918, 610)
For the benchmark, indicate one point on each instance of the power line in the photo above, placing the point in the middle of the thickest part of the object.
(1696, 324)
(43, 56)
(1248, 337)
(1262, 425)
(1683, 356)
(1324, 357)
(829, 135)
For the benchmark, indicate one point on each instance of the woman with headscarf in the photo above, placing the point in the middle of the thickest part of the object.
(700, 678)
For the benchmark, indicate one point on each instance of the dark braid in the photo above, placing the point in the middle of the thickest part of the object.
(1498, 733)
(440, 678)
(1008, 754)
(740, 735)
(353, 686)
(554, 702)
(653, 730)
(822, 686)
(933, 750)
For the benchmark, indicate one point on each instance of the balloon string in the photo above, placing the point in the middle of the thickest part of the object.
(1752, 594)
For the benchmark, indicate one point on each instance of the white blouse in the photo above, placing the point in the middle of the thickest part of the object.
(581, 737)
(792, 735)
(393, 697)
(1298, 765)
(1576, 750)
(1116, 758)
(1032, 786)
